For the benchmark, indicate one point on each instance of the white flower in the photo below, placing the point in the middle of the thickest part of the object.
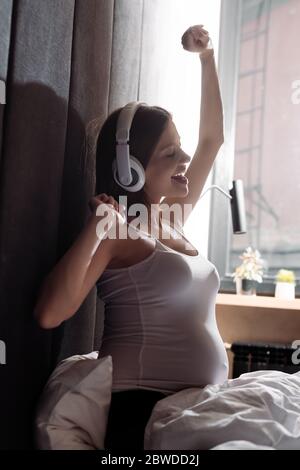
(251, 267)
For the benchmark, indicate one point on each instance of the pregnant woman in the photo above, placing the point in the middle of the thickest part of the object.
(159, 292)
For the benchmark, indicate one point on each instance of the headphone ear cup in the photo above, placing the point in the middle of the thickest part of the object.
(137, 172)
(135, 176)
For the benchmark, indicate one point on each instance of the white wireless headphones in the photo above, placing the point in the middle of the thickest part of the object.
(128, 166)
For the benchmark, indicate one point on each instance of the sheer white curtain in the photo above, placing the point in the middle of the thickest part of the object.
(171, 77)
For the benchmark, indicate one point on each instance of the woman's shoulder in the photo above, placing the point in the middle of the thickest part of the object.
(129, 246)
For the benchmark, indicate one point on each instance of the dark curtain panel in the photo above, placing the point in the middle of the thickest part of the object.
(105, 75)
(65, 63)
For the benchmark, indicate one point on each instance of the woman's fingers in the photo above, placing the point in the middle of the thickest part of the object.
(115, 204)
(111, 200)
(198, 35)
(196, 39)
(198, 29)
(103, 198)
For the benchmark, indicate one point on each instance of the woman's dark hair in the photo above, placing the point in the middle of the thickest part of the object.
(148, 124)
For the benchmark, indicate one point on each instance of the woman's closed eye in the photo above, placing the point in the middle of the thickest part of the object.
(176, 152)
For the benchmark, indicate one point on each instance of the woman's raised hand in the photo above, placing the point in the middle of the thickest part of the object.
(196, 39)
(106, 200)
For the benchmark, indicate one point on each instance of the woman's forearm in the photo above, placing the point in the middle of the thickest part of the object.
(59, 289)
(211, 109)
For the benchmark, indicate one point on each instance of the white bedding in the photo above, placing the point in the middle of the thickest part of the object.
(259, 409)
(241, 445)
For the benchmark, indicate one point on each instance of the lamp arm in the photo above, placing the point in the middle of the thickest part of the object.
(217, 187)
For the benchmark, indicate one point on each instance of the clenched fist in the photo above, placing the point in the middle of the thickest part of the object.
(106, 202)
(110, 214)
(103, 198)
(196, 39)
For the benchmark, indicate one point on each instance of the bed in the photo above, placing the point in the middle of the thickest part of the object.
(258, 410)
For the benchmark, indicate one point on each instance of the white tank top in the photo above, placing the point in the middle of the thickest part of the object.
(160, 326)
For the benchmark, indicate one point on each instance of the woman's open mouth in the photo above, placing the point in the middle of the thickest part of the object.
(180, 179)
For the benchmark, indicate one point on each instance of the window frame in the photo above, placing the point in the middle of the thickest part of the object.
(220, 224)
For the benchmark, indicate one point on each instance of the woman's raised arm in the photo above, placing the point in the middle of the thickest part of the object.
(66, 286)
(196, 39)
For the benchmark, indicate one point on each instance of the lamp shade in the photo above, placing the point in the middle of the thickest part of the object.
(237, 203)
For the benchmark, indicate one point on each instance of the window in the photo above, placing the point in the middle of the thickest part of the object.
(259, 70)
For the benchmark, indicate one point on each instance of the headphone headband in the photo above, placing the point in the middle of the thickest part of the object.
(125, 120)
(125, 162)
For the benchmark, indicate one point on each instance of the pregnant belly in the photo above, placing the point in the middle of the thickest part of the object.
(189, 362)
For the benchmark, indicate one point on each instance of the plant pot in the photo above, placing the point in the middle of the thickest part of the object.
(245, 287)
(285, 290)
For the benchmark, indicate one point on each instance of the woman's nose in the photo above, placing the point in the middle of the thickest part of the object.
(186, 158)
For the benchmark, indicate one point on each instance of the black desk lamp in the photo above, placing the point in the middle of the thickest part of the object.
(237, 202)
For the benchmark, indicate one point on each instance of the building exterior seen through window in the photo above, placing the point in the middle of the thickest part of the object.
(266, 140)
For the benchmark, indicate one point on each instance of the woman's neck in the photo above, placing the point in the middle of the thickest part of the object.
(153, 221)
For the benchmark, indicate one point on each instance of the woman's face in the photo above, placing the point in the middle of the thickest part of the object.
(167, 160)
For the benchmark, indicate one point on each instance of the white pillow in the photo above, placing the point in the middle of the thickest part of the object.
(73, 409)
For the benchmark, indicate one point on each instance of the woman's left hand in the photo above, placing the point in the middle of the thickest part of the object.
(196, 39)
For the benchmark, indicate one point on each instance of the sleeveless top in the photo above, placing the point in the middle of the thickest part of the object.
(160, 326)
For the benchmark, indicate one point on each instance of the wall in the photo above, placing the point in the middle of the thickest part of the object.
(257, 324)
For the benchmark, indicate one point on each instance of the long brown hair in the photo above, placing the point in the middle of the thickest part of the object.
(148, 124)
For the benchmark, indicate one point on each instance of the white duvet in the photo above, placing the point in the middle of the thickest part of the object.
(257, 410)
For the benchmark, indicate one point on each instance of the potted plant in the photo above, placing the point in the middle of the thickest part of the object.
(247, 274)
(285, 284)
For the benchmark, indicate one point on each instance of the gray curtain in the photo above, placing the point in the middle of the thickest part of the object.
(65, 63)
(109, 74)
